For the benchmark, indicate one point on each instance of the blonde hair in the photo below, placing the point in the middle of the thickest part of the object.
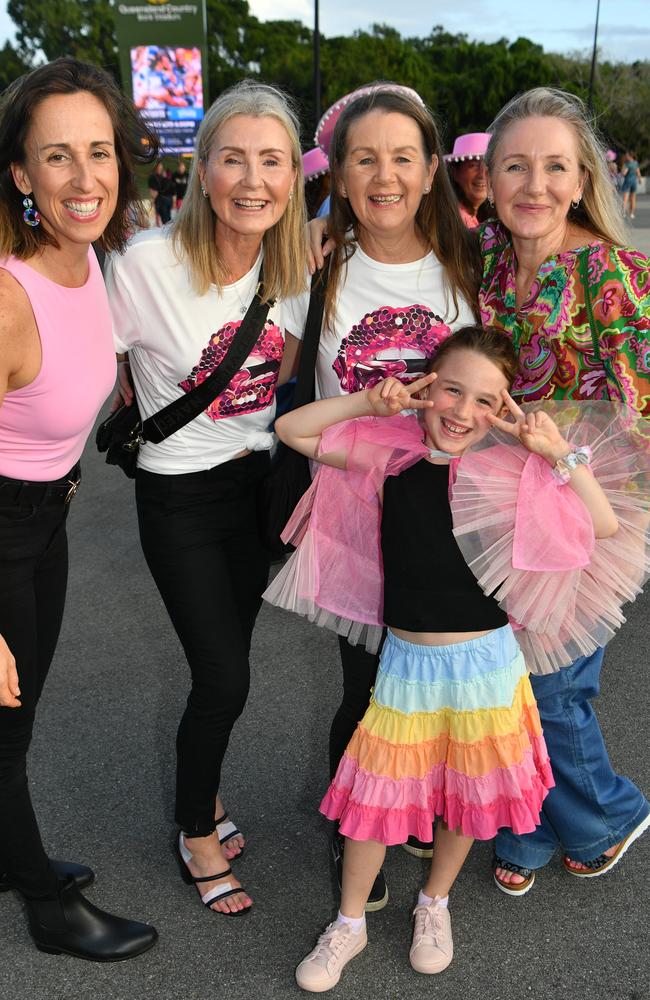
(284, 243)
(599, 210)
(437, 217)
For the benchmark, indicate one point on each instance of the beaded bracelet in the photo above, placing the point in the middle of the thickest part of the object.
(564, 466)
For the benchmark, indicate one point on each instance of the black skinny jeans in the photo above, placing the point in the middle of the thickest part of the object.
(200, 537)
(33, 579)
(359, 672)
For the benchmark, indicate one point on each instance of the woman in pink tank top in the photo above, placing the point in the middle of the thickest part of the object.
(69, 142)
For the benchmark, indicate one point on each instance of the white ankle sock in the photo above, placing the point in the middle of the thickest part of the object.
(356, 924)
(424, 900)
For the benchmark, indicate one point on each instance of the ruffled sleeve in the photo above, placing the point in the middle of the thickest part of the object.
(335, 578)
(619, 298)
(529, 541)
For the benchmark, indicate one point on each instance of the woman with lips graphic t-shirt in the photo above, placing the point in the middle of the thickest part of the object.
(178, 298)
(402, 276)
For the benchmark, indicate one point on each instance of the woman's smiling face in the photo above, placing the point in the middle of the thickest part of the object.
(535, 176)
(249, 175)
(385, 173)
(468, 387)
(70, 168)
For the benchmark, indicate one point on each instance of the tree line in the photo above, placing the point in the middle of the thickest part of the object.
(466, 82)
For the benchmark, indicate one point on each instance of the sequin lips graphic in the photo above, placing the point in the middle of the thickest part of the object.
(389, 342)
(252, 387)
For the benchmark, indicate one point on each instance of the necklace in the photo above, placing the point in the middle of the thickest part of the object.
(243, 308)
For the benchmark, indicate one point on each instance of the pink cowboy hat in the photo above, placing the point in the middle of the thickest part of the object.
(314, 163)
(471, 146)
(325, 127)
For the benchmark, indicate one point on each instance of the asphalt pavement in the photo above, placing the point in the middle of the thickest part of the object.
(102, 771)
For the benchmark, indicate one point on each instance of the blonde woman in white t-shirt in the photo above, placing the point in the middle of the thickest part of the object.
(178, 296)
(404, 274)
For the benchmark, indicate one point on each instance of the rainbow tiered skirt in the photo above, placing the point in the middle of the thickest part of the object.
(451, 732)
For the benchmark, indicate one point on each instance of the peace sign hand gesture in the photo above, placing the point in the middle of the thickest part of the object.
(391, 396)
(537, 431)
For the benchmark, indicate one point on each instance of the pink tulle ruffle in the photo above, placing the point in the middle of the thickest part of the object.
(529, 540)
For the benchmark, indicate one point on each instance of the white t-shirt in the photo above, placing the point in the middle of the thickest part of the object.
(390, 319)
(175, 338)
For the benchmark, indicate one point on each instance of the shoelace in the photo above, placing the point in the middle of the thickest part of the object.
(332, 941)
(431, 923)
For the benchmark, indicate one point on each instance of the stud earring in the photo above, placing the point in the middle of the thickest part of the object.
(31, 217)
(426, 190)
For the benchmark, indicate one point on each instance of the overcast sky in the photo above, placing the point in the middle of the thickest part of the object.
(558, 25)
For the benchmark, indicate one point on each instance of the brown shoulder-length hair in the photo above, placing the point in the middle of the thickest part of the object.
(488, 341)
(437, 217)
(135, 143)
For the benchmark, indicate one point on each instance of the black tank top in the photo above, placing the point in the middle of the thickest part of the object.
(428, 586)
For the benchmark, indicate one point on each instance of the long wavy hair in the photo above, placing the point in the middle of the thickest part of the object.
(193, 231)
(135, 143)
(599, 211)
(437, 217)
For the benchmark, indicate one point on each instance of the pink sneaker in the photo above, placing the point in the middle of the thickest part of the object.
(322, 968)
(433, 948)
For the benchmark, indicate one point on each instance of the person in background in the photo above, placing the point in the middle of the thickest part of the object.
(161, 191)
(560, 280)
(612, 166)
(69, 145)
(466, 167)
(629, 185)
(317, 180)
(180, 178)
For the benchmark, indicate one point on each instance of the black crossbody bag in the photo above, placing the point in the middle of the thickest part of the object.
(122, 433)
(289, 476)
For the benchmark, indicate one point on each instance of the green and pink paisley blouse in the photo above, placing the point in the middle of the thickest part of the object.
(584, 330)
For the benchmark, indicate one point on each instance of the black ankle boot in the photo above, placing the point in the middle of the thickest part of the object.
(72, 925)
(81, 875)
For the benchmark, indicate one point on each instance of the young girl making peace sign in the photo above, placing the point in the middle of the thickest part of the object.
(452, 730)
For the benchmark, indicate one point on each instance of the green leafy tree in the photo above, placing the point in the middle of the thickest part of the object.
(84, 29)
(465, 82)
(11, 65)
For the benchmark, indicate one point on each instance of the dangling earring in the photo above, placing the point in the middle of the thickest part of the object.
(290, 195)
(204, 192)
(575, 204)
(31, 216)
(490, 202)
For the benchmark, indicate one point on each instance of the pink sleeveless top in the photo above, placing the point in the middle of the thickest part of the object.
(44, 425)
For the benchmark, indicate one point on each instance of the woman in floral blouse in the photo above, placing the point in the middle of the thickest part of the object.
(576, 301)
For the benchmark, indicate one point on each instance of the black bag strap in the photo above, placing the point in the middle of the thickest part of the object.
(174, 416)
(306, 379)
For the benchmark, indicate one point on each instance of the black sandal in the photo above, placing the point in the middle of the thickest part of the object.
(513, 888)
(213, 895)
(227, 832)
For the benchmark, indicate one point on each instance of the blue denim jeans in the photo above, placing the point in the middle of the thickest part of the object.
(591, 807)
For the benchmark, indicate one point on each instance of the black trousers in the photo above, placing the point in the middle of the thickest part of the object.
(33, 579)
(359, 672)
(200, 537)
